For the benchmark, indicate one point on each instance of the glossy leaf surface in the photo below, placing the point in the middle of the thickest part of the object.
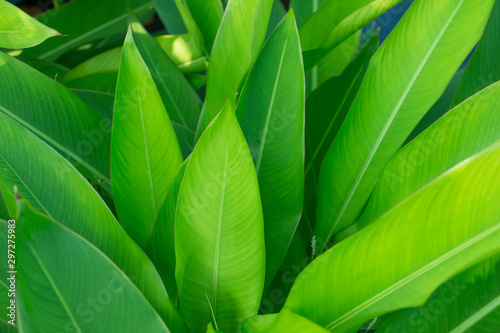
(219, 231)
(394, 96)
(271, 115)
(403, 257)
(145, 154)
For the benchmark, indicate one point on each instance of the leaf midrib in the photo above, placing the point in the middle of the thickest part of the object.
(389, 122)
(476, 317)
(416, 274)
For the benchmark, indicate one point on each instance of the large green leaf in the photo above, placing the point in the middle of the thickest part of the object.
(19, 30)
(241, 35)
(208, 16)
(191, 26)
(170, 17)
(326, 109)
(462, 304)
(395, 94)
(345, 18)
(277, 14)
(145, 154)
(219, 231)
(466, 130)
(271, 115)
(483, 68)
(58, 275)
(180, 99)
(285, 321)
(49, 68)
(161, 242)
(55, 114)
(101, 82)
(100, 102)
(399, 260)
(55, 188)
(84, 21)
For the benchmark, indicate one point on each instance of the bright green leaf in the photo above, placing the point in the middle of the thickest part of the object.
(19, 30)
(240, 38)
(396, 93)
(399, 260)
(51, 255)
(208, 16)
(285, 321)
(219, 231)
(145, 154)
(61, 119)
(55, 188)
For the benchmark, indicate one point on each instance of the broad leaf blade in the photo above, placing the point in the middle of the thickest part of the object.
(303, 9)
(84, 21)
(462, 304)
(55, 114)
(145, 154)
(19, 30)
(466, 130)
(483, 68)
(58, 275)
(241, 35)
(394, 96)
(180, 99)
(52, 186)
(219, 232)
(403, 257)
(208, 16)
(271, 115)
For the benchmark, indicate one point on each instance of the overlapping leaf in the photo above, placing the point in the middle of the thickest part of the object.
(52, 255)
(145, 154)
(55, 188)
(394, 96)
(285, 321)
(271, 115)
(219, 231)
(61, 119)
(399, 260)
(241, 35)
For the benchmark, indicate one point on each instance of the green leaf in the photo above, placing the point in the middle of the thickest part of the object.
(466, 130)
(285, 321)
(101, 82)
(271, 115)
(403, 257)
(170, 17)
(52, 186)
(208, 16)
(180, 99)
(4, 212)
(7, 328)
(19, 30)
(161, 242)
(4, 283)
(483, 68)
(303, 9)
(462, 304)
(210, 329)
(395, 94)
(101, 102)
(326, 109)
(346, 17)
(84, 21)
(191, 26)
(219, 231)
(241, 35)
(49, 68)
(61, 119)
(57, 274)
(277, 14)
(180, 49)
(145, 154)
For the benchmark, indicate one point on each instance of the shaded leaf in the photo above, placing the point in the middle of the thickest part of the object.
(271, 115)
(285, 321)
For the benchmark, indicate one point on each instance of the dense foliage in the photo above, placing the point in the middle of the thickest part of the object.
(241, 166)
